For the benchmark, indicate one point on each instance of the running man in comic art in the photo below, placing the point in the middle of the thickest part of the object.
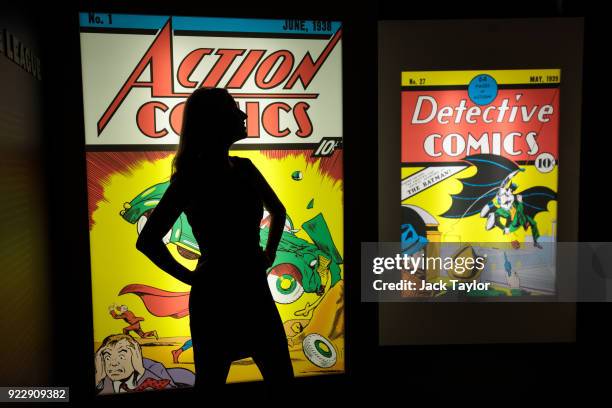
(132, 320)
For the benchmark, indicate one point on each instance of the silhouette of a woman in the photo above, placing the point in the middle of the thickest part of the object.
(232, 312)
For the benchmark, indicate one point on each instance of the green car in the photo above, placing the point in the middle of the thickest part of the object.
(140, 207)
(300, 266)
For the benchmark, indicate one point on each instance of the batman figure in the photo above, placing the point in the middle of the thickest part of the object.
(492, 193)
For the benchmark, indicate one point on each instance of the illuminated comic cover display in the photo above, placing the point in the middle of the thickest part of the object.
(479, 176)
(286, 75)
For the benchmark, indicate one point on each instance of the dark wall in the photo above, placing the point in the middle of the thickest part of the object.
(25, 350)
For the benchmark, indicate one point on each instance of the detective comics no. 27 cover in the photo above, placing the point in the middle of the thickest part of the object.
(479, 152)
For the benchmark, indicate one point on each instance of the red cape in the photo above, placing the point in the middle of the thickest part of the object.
(159, 302)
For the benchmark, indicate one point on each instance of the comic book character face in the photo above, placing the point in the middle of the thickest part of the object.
(118, 360)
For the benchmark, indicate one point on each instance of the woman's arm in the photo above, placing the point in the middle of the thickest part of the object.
(160, 221)
(275, 208)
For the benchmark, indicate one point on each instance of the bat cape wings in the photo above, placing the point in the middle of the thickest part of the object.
(492, 173)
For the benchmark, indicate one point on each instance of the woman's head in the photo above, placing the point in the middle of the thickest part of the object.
(212, 122)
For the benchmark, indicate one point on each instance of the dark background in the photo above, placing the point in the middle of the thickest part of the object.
(46, 323)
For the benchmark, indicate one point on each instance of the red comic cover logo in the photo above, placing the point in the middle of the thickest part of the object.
(444, 125)
(279, 69)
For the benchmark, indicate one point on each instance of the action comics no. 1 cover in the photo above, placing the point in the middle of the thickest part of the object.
(479, 153)
(287, 76)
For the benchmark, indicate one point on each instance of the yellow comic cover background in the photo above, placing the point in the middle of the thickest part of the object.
(307, 187)
(437, 199)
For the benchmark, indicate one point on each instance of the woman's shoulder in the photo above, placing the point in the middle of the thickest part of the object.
(181, 182)
(242, 162)
(245, 167)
